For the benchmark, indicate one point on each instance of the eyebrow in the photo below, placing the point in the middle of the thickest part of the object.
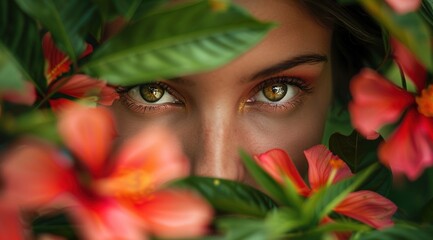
(291, 63)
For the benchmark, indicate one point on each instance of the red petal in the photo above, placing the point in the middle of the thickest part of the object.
(179, 214)
(61, 104)
(79, 85)
(34, 174)
(404, 6)
(88, 132)
(368, 207)
(108, 95)
(106, 219)
(319, 168)
(409, 149)
(156, 153)
(10, 223)
(277, 163)
(410, 65)
(376, 102)
(26, 96)
(58, 62)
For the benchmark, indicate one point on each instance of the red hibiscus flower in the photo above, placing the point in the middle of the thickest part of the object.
(78, 85)
(325, 168)
(378, 102)
(118, 197)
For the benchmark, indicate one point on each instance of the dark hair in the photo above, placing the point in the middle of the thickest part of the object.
(357, 41)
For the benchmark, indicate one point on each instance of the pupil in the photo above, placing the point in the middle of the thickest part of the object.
(275, 92)
(151, 92)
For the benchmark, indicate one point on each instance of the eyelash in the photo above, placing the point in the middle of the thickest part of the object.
(142, 108)
(304, 87)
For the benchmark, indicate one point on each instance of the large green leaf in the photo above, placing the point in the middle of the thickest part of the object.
(65, 19)
(398, 232)
(229, 196)
(359, 153)
(177, 41)
(136, 9)
(20, 49)
(409, 28)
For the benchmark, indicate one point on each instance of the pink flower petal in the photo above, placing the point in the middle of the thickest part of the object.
(376, 102)
(58, 62)
(404, 6)
(34, 174)
(154, 154)
(26, 96)
(409, 149)
(410, 65)
(88, 132)
(319, 167)
(368, 207)
(179, 214)
(277, 163)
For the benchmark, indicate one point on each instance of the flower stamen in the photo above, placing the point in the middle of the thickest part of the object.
(336, 165)
(425, 101)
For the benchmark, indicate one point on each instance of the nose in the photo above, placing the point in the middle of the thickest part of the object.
(216, 147)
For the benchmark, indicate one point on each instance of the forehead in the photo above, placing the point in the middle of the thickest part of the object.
(297, 33)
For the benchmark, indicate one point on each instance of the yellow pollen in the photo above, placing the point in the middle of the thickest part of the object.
(134, 185)
(425, 101)
(336, 163)
(218, 5)
(216, 182)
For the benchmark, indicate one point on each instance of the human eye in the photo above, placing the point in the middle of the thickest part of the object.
(280, 93)
(150, 97)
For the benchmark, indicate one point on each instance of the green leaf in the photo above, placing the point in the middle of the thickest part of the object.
(66, 20)
(58, 224)
(398, 232)
(136, 9)
(427, 12)
(243, 228)
(338, 120)
(37, 123)
(171, 42)
(322, 231)
(409, 28)
(267, 182)
(321, 203)
(427, 212)
(20, 49)
(359, 153)
(229, 196)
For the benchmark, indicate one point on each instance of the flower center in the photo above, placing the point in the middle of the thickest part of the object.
(133, 185)
(425, 101)
(336, 165)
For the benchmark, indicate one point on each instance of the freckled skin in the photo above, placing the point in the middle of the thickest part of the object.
(217, 119)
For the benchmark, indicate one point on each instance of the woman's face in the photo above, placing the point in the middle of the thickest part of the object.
(274, 96)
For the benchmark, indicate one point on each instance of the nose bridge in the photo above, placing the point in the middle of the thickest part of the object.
(217, 144)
